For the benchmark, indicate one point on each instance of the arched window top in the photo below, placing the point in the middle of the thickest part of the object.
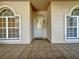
(75, 11)
(39, 16)
(6, 11)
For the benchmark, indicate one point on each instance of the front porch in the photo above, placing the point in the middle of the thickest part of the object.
(35, 50)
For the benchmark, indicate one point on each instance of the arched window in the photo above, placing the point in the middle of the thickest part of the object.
(6, 12)
(72, 25)
(9, 24)
(75, 12)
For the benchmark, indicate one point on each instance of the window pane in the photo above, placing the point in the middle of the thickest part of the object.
(2, 33)
(10, 33)
(2, 22)
(13, 33)
(71, 32)
(71, 21)
(11, 22)
(16, 21)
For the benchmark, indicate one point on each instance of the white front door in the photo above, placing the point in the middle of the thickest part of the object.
(38, 28)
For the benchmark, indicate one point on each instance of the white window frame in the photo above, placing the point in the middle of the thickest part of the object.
(71, 38)
(69, 14)
(7, 38)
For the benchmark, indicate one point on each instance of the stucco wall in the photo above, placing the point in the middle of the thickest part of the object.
(22, 8)
(58, 11)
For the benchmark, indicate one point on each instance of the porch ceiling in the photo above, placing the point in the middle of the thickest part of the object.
(41, 5)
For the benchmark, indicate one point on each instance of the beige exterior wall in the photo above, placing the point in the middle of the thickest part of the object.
(21, 8)
(58, 11)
